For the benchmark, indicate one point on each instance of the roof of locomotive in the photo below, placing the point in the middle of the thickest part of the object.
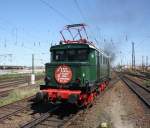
(68, 46)
(76, 46)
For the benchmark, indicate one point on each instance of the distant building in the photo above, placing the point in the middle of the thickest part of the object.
(4, 67)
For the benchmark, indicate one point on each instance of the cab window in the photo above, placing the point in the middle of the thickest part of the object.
(82, 54)
(59, 55)
(70, 55)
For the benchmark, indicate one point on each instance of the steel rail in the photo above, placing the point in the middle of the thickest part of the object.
(27, 78)
(139, 90)
(12, 79)
(14, 107)
(142, 86)
(38, 120)
(14, 83)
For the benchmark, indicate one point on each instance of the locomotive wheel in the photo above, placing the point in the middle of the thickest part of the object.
(41, 97)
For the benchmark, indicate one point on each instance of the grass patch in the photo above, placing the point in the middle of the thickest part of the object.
(147, 83)
(18, 94)
(38, 82)
(13, 75)
(40, 73)
(6, 76)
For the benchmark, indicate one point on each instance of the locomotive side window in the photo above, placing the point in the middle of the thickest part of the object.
(100, 59)
(104, 60)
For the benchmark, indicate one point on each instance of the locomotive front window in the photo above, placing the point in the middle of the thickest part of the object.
(59, 56)
(82, 54)
(77, 55)
(70, 55)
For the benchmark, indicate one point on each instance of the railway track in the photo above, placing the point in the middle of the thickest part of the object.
(7, 92)
(11, 80)
(40, 115)
(6, 83)
(59, 116)
(7, 86)
(18, 111)
(140, 76)
(139, 83)
(13, 83)
(142, 92)
(43, 115)
(15, 107)
(146, 74)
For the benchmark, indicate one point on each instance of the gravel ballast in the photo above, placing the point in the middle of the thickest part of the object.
(119, 107)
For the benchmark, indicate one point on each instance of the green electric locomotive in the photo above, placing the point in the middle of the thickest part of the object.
(78, 71)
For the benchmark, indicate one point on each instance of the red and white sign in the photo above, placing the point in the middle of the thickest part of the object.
(63, 74)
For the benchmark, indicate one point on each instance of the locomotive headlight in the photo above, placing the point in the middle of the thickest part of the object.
(83, 74)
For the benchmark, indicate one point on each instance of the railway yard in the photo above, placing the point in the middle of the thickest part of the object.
(125, 103)
(74, 64)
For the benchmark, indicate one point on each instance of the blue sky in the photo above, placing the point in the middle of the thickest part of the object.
(30, 26)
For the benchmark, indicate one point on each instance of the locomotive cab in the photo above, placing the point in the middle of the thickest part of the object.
(74, 58)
